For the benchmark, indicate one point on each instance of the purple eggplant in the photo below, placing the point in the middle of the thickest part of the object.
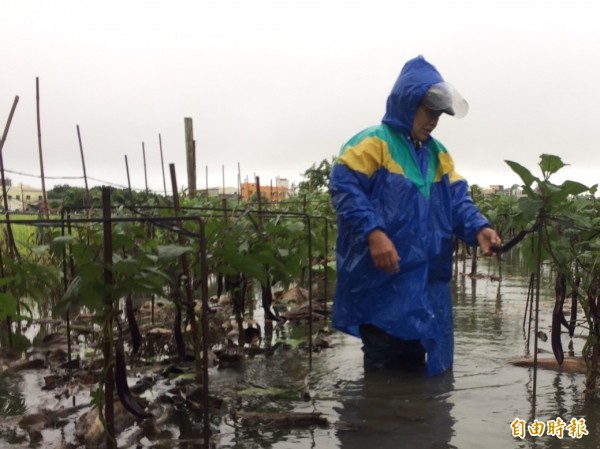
(136, 337)
(125, 396)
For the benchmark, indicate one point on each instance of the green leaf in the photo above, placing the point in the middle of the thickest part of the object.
(170, 252)
(40, 251)
(8, 305)
(6, 280)
(523, 173)
(295, 226)
(530, 207)
(574, 188)
(59, 243)
(529, 249)
(550, 164)
(126, 267)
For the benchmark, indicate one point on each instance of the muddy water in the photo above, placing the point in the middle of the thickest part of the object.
(472, 406)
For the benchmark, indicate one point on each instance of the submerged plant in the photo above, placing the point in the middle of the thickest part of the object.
(562, 228)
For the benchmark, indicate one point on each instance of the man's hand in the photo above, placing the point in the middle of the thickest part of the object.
(488, 238)
(383, 251)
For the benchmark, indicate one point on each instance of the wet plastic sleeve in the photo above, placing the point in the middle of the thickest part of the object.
(467, 219)
(348, 190)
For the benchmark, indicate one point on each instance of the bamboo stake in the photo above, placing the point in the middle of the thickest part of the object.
(66, 286)
(39, 130)
(12, 247)
(109, 380)
(239, 181)
(185, 265)
(190, 149)
(87, 190)
(4, 290)
(4, 134)
(259, 197)
(537, 310)
(145, 171)
(6, 128)
(162, 164)
(204, 321)
(128, 178)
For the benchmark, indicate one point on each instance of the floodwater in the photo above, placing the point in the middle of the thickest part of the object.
(471, 406)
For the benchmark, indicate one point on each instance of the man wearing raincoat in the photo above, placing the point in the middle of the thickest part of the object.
(399, 202)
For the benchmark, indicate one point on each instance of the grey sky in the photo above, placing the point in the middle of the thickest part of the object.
(279, 85)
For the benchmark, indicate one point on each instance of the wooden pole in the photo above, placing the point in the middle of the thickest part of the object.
(4, 134)
(128, 179)
(239, 182)
(12, 247)
(185, 266)
(538, 275)
(259, 197)
(8, 122)
(39, 130)
(109, 379)
(194, 165)
(223, 176)
(205, 325)
(190, 156)
(162, 164)
(145, 171)
(87, 190)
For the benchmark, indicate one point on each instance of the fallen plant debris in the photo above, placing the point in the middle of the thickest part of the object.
(273, 420)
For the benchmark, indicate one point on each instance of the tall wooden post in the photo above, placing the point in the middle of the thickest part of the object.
(145, 170)
(87, 190)
(128, 179)
(162, 164)
(190, 156)
(44, 207)
(239, 183)
(109, 376)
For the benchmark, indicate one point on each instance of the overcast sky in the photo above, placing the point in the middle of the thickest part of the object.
(276, 86)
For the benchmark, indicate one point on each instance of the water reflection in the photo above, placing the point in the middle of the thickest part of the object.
(397, 409)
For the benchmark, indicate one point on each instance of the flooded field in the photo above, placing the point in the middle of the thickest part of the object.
(472, 406)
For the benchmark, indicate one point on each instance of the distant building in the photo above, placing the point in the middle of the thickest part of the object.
(493, 190)
(497, 189)
(271, 193)
(22, 197)
(227, 192)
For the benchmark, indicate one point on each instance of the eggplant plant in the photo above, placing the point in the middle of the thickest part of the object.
(561, 227)
(25, 284)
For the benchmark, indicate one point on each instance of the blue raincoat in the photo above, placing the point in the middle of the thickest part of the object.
(416, 197)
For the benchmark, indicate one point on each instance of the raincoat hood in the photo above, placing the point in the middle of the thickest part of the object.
(415, 79)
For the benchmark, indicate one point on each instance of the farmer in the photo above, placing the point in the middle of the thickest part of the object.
(399, 202)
